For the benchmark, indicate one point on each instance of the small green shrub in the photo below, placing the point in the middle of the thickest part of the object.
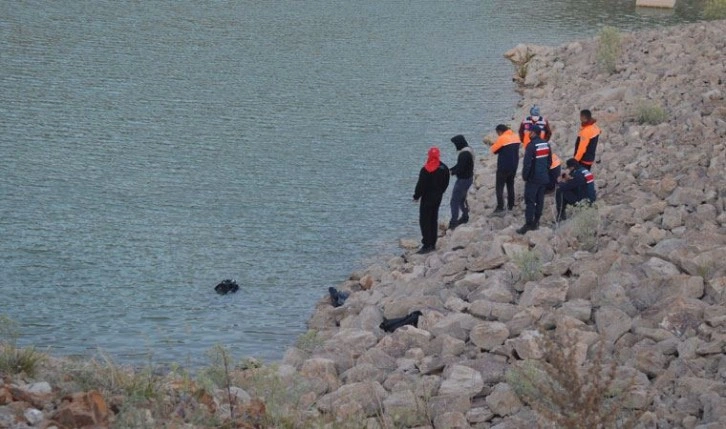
(608, 48)
(113, 379)
(650, 113)
(715, 9)
(529, 264)
(586, 225)
(309, 341)
(14, 359)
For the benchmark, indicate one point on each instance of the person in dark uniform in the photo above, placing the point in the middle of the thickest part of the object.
(464, 172)
(535, 173)
(432, 183)
(577, 184)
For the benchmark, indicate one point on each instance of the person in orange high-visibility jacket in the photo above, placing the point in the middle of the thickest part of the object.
(555, 171)
(506, 147)
(587, 139)
(533, 119)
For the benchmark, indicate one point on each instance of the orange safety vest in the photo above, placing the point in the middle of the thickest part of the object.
(586, 143)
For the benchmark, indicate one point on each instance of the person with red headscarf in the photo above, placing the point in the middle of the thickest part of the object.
(433, 179)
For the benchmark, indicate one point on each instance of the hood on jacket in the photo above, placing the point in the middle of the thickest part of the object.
(459, 141)
(434, 160)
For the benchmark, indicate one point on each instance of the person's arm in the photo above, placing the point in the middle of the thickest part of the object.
(527, 161)
(521, 131)
(575, 182)
(446, 179)
(547, 130)
(418, 193)
(455, 168)
(497, 145)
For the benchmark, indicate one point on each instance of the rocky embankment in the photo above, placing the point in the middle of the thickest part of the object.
(640, 282)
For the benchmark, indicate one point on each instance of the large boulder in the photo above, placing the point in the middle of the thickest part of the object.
(367, 396)
(548, 292)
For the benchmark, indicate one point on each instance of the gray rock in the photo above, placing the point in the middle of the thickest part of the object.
(548, 292)
(493, 310)
(456, 325)
(612, 322)
(33, 416)
(461, 380)
(366, 395)
(451, 420)
(404, 408)
(488, 335)
(442, 404)
(40, 388)
(503, 401)
(363, 372)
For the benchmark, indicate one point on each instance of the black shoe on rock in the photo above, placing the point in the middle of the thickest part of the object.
(426, 249)
(453, 224)
(526, 227)
(499, 212)
(464, 219)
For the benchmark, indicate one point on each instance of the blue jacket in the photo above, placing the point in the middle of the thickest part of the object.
(536, 162)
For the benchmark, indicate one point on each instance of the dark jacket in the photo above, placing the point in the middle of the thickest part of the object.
(536, 162)
(582, 185)
(586, 143)
(464, 168)
(431, 186)
(506, 147)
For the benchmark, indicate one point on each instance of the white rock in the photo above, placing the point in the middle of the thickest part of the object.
(33, 416)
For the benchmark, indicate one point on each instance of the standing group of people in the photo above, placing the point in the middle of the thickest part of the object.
(541, 172)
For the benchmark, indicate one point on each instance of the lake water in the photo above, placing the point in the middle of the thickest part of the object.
(152, 149)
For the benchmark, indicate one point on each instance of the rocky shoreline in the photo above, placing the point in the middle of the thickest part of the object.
(637, 285)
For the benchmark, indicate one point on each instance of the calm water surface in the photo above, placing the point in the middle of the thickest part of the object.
(151, 149)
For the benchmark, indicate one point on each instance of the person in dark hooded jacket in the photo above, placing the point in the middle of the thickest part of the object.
(433, 179)
(535, 173)
(464, 172)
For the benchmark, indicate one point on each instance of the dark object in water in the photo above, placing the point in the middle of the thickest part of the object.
(390, 325)
(337, 298)
(226, 286)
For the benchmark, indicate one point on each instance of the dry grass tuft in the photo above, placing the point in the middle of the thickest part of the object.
(572, 396)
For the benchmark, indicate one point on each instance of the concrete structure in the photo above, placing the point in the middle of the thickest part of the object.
(656, 3)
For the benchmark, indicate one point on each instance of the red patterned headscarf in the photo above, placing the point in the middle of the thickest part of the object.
(434, 160)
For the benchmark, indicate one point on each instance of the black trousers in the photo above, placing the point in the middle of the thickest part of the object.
(563, 199)
(505, 178)
(534, 201)
(428, 220)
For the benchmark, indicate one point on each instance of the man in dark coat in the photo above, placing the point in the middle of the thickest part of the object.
(464, 172)
(535, 173)
(432, 183)
(506, 147)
